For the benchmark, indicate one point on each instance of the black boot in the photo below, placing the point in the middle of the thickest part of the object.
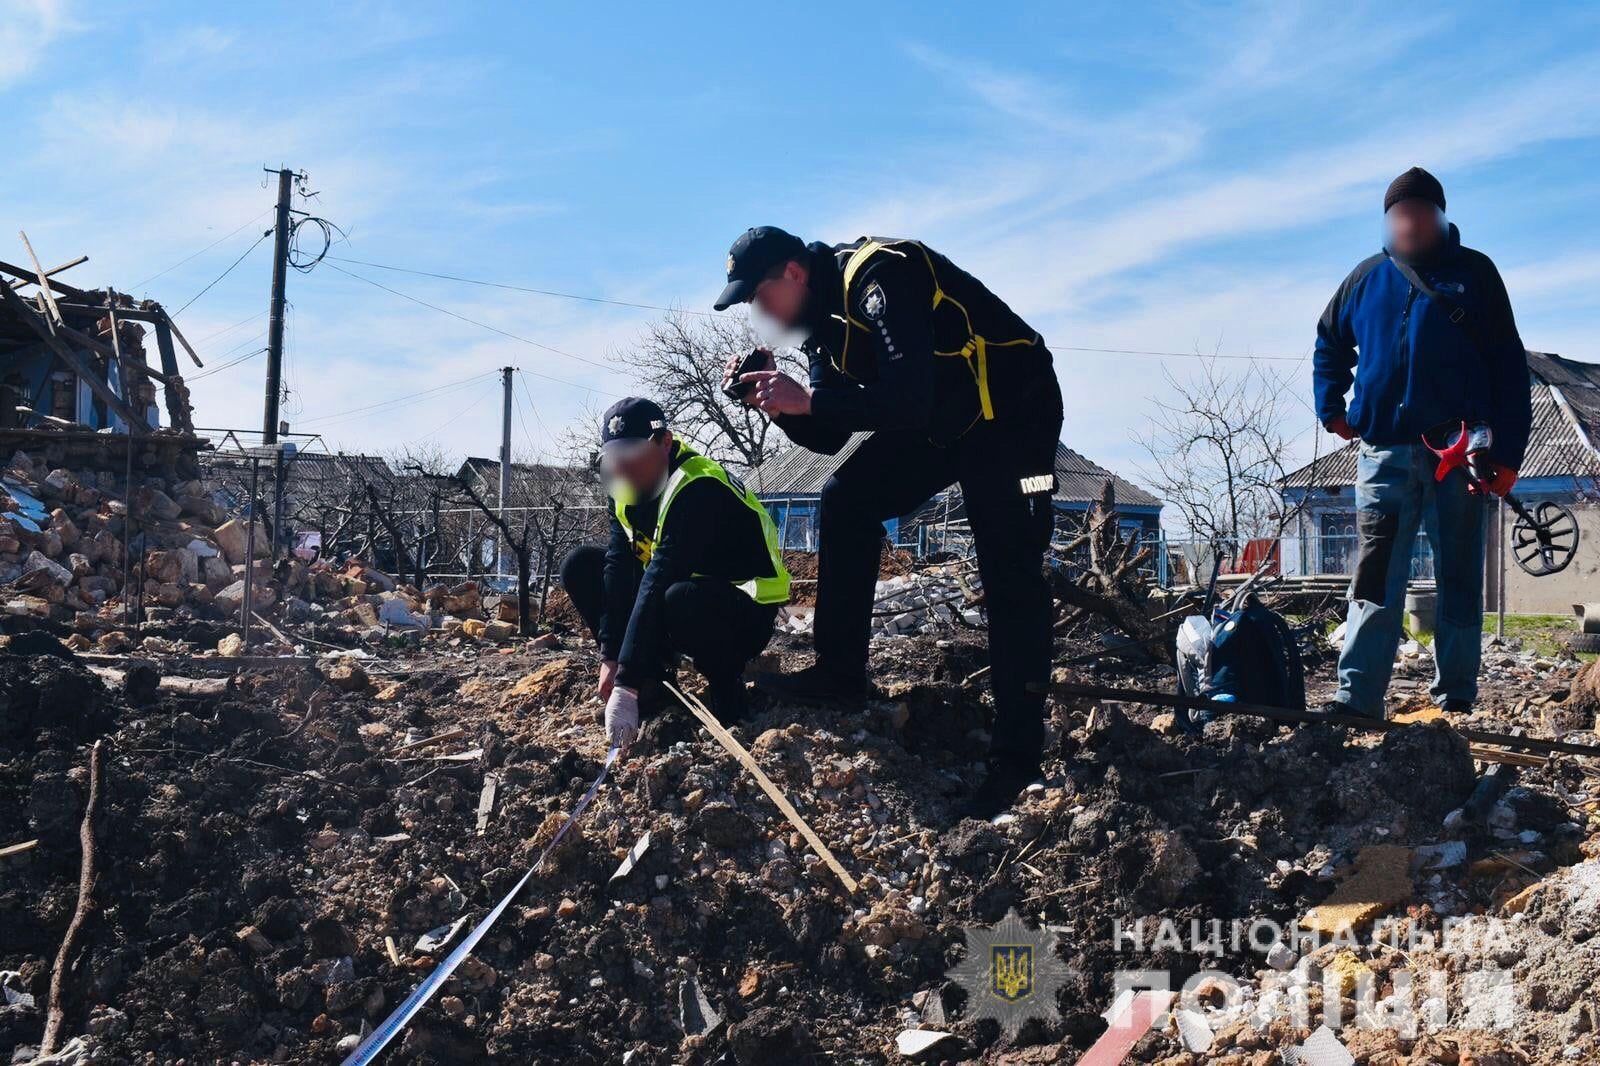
(728, 701)
(817, 683)
(1001, 787)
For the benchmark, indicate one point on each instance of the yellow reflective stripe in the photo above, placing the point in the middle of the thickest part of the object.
(983, 380)
(975, 351)
(764, 590)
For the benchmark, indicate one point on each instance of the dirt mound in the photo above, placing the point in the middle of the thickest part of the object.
(283, 860)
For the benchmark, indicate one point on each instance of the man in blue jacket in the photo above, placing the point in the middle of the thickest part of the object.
(1424, 332)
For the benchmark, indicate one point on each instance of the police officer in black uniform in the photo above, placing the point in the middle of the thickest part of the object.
(955, 388)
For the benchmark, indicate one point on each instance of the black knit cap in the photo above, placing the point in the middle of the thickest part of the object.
(1414, 184)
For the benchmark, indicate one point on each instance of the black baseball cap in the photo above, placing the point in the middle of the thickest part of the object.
(752, 258)
(629, 420)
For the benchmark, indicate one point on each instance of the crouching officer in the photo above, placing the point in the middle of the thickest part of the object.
(955, 388)
(706, 583)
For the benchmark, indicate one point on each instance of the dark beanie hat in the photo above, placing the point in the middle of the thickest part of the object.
(1414, 184)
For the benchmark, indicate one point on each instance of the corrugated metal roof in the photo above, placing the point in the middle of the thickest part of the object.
(1566, 421)
(801, 472)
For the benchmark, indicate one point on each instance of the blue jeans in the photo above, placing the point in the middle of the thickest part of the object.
(1395, 492)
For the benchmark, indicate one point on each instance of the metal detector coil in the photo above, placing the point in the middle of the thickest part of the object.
(1544, 539)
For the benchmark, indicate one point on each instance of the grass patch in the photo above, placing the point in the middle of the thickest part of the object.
(1544, 634)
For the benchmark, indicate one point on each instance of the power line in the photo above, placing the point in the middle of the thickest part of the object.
(707, 314)
(523, 288)
(224, 366)
(471, 405)
(220, 367)
(203, 251)
(1179, 355)
(492, 329)
(396, 400)
(222, 275)
(473, 321)
(230, 329)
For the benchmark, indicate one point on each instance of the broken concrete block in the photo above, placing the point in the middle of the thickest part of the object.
(914, 1043)
(396, 613)
(1193, 1030)
(40, 572)
(498, 631)
(1322, 1049)
(231, 537)
(696, 1016)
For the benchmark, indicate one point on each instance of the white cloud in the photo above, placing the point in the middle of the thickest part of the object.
(27, 30)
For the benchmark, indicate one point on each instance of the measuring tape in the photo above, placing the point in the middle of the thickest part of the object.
(380, 1037)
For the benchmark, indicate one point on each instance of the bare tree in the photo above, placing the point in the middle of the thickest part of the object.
(1218, 452)
(679, 363)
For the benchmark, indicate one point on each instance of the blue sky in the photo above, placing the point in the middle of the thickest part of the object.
(1167, 177)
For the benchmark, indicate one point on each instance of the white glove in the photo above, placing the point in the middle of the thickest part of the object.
(622, 716)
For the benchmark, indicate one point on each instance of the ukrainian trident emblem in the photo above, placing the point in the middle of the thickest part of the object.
(1011, 973)
(1011, 970)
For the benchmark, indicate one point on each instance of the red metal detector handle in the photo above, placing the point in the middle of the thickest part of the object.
(1454, 457)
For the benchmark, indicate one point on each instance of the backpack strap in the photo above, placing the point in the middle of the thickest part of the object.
(1456, 311)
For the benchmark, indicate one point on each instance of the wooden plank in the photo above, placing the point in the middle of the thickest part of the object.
(448, 734)
(18, 848)
(44, 279)
(176, 332)
(30, 277)
(491, 785)
(1485, 753)
(75, 362)
(748, 761)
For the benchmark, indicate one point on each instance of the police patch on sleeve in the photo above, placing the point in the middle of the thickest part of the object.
(873, 301)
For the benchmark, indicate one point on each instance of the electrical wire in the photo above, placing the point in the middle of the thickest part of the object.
(522, 421)
(222, 275)
(220, 367)
(298, 258)
(708, 314)
(1178, 355)
(203, 251)
(494, 329)
(453, 419)
(522, 288)
(405, 397)
(230, 329)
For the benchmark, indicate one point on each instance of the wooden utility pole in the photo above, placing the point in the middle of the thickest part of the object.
(280, 277)
(505, 455)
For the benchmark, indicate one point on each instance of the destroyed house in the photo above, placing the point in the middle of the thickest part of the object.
(1562, 464)
(76, 359)
(791, 486)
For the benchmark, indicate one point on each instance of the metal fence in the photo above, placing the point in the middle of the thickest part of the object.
(1308, 555)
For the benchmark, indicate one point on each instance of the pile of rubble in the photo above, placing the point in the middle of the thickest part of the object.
(926, 600)
(289, 856)
(74, 542)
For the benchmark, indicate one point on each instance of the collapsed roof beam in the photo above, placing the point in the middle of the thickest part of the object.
(74, 361)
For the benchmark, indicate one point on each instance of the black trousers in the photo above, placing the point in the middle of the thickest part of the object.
(891, 474)
(717, 626)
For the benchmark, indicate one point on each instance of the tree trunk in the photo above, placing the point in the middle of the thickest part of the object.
(524, 606)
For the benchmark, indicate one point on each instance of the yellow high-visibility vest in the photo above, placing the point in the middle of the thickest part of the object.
(773, 589)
